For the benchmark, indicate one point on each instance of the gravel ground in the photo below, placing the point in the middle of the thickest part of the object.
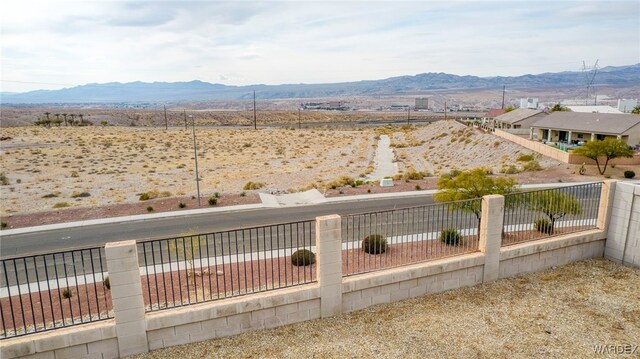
(558, 313)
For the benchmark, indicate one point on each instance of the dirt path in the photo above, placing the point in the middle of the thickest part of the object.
(383, 160)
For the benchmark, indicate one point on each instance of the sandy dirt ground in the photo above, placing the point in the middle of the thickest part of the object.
(62, 174)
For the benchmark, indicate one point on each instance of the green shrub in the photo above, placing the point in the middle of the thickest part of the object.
(149, 209)
(303, 257)
(525, 158)
(213, 201)
(80, 194)
(252, 185)
(629, 174)
(450, 236)
(61, 205)
(531, 166)
(418, 187)
(144, 196)
(543, 225)
(3, 225)
(216, 194)
(4, 180)
(243, 194)
(182, 204)
(107, 282)
(374, 244)
(66, 293)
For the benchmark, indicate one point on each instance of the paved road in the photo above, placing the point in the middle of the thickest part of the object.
(62, 239)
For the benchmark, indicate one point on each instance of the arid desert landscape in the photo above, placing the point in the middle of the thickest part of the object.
(53, 169)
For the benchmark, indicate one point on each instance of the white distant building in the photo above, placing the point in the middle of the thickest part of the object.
(530, 103)
(594, 109)
(627, 105)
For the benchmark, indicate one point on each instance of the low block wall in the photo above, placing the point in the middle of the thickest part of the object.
(95, 340)
(544, 254)
(233, 316)
(393, 285)
(623, 243)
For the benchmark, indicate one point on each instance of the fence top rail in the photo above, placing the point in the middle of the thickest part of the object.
(272, 225)
(527, 191)
(440, 204)
(49, 253)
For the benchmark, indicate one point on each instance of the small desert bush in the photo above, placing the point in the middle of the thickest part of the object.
(374, 244)
(80, 194)
(543, 225)
(4, 180)
(252, 185)
(3, 225)
(509, 170)
(182, 205)
(450, 236)
(303, 257)
(107, 282)
(531, 166)
(341, 182)
(412, 174)
(629, 174)
(61, 205)
(525, 158)
(213, 201)
(243, 194)
(149, 209)
(66, 293)
(154, 194)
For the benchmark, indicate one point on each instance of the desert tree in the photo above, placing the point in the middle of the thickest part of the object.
(552, 203)
(608, 148)
(471, 184)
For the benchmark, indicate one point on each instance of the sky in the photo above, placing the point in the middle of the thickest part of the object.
(52, 45)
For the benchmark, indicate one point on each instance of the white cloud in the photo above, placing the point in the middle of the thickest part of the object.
(291, 42)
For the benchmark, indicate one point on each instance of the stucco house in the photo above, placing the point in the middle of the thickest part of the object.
(574, 127)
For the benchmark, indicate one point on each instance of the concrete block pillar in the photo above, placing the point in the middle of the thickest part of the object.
(606, 201)
(126, 294)
(329, 246)
(491, 235)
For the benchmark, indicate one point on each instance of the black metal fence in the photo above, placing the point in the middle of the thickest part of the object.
(386, 239)
(49, 291)
(204, 267)
(550, 212)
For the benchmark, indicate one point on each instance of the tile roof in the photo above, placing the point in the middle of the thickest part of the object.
(605, 123)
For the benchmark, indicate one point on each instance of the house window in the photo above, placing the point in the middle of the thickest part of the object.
(580, 135)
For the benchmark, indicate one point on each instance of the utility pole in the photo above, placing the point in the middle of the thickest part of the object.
(195, 156)
(445, 110)
(184, 113)
(299, 123)
(255, 121)
(408, 114)
(503, 86)
(166, 124)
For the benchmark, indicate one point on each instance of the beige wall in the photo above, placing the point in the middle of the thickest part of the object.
(623, 241)
(558, 155)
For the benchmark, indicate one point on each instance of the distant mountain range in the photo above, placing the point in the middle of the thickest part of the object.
(157, 92)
